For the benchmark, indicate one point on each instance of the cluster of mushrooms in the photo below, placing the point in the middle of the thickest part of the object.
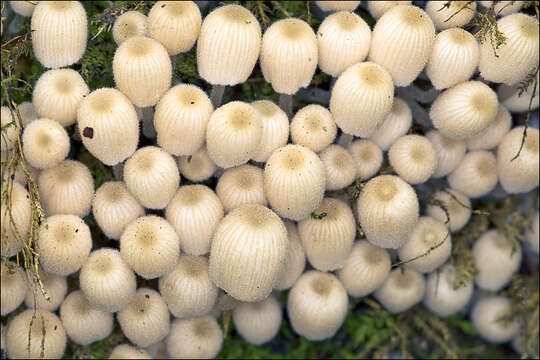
(278, 218)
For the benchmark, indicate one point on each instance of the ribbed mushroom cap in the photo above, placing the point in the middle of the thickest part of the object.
(15, 232)
(464, 110)
(56, 288)
(18, 174)
(59, 32)
(259, 322)
(194, 212)
(455, 203)
(487, 315)
(181, 117)
(365, 270)
(66, 189)
(64, 244)
(275, 129)
(57, 95)
(108, 125)
(107, 281)
(175, 24)
(401, 290)
(340, 167)
(343, 39)
(317, 305)
(442, 297)
(414, 158)
(496, 258)
(517, 100)
(150, 246)
(289, 55)
(402, 41)
(195, 338)
(45, 143)
(241, 185)
(451, 14)
(126, 351)
(395, 125)
(197, 167)
(129, 24)
(187, 289)
(387, 211)
(517, 57)
(532, 235)
(157, 350)
(313, 127)
(145, 320)
(428, 247)
(152, 176)
(224, 302)
(327, 236)
(378, 8)
(23, 8)
(28, 112)
(367, 157)
(228, 45)
(476, 175)
(294, 181)
(450, 152)
(249, 249)
(83, 323)
(13, 288)
(503, 8)
(44, 334)
(142, 70)
(521, 174)
(296, 259)
(337, 5)
(493, 135)
(10, 126)
(362, 98)
(233, 134)
(114, 207)
(454, 58)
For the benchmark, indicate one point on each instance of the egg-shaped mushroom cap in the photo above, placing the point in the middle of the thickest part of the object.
(401, 290)
(367, 157)
(55, 286)
(341, 169)
(28, 112)
(258, 322)
(13, 286)
(296, 259)
(129, 24)
(16, 218)
(450, 207)
(476, 175)
(517, 100)
(195, 338)
(241, 185)
(493, 135)
(394, 126)
(275, 128)
(337, 5)
(488, 316)
(378, 8)
(450, 152)
(451, 14)
(197, 167)
(126, 351)
(313, 127)
(414, 158)
(45, 143)
(10, 128)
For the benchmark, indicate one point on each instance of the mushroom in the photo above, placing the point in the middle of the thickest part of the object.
(313, 127)
(13, 287)
(16, 217)
(45, 143)
(28, 112)
(532, 236)
(23, 8)
(450, 14)
(493, 135)
(414, 158)
(129, 24)
(367, 157)
(10, 128)
(195, 338)
(197, 167)
(517, 100)
(126, 351)
(502, 8)
(487, 315)
(55, 286)
(241, 185)
(395, 125)
(476, 175)
(275, 129)
(259, 322)
(337, 5)
(401, 290)
(450, 153)
(450, 207)
(340, 167)
(378, 8)
(296, 259)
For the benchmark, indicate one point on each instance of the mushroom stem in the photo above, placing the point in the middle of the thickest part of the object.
(173, 63)
(216, 95)
(118, 171)
(345, 140)
(148, 122)
(286, 104)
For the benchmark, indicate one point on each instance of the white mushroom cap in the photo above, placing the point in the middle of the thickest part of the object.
(362, 98)
(464, 110)
(241, 185)
(296, 259)
(13, 288)
(341, 169)
(107, 281)
(454, 58)
(228, 45)
(56, 288)
(387, 211)
(249, 249)
(401, 42)
(275, 129)
(175, 24)
(259, 322)
(150, 246)
(497, 258)
(195, 212)
(16, 231)
(44, 334)
(503, 8)
(126, 351)
(442, 297)
(23, 8)
(28, 112)
(145, 320)
(521, 174)
(402, 289)
(129, 24)
(457, 205)
(10, 128)
(18, 174)
(378, 8)
(450, 152)
(365, 270)
(157, 350)
(197, 167)
(486, 317)
(414, 158)
(195, 338)
(313, 127)
(517, 101)
(395, 125)
(367, 157)
(343, 39)
(476, 175)
(83, 323)
(451, 14)
(294, 181)
(152, 176)
(181, 117)
(493, 135)
(337, 5)
(187, 289)
(317, 305)
(289, 55)
(59, 32)
(45, 143)
(57, 95)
